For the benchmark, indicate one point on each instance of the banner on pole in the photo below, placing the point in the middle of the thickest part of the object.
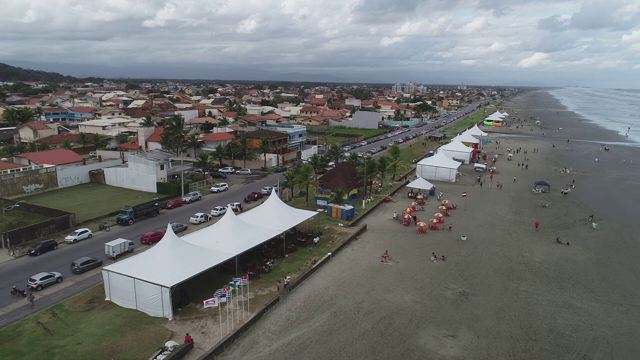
(213, 302)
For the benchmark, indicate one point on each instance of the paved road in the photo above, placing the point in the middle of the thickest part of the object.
(17, 271)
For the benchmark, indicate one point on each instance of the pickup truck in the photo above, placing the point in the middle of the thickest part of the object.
(129, 215)
(117, 247)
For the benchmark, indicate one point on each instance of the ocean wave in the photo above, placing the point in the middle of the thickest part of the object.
(613, 109)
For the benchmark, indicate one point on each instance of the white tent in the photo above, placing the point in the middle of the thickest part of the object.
(438, 167)
(144, 281)
(421, 184)
(497, 114)
(147, 280)
(231, 234)
(475, 131)
(275, 214)
(504, 114)
(466, 138)
(457, 151)
(494, 118)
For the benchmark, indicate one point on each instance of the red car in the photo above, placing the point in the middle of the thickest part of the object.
(172, 204)
(151, 237)
(254, 196)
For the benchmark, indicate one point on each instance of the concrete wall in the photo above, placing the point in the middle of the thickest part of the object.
(76, 175)
(28, 182)
(112, 154)
(137, 175)
(309, 152)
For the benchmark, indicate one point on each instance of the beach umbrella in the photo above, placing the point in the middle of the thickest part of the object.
(421, 224)
(434, 221)
(438, 215)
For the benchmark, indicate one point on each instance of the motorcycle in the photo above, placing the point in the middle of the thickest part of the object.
(16, 291)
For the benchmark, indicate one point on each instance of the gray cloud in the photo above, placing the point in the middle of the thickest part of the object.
(372, 40)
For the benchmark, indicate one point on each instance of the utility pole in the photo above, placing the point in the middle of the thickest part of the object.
(364, 197)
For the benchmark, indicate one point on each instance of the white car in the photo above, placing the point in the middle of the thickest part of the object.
(219, 187)
(266, 190)
(218, 211)
(78, 235)
(244, 172)
(199, 218)
(235, 206)
(227, 170)
(44, 279)
(363, 143)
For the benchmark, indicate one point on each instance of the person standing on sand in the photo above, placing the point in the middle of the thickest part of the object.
(536, 224)
(514, 179)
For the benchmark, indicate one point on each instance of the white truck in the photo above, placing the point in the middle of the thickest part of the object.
(117, 247)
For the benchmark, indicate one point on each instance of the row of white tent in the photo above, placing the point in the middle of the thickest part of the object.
(147, 280)
(443, 165)
(497, 116)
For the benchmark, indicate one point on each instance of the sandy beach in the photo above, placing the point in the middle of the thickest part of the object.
(509, 291)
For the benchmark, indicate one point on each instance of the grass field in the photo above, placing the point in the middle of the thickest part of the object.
(16, 219)
(90, 201)
(338, 134)
(84, 327)
(473, 118)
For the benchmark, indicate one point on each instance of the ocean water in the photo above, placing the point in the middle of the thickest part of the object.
(612, 109)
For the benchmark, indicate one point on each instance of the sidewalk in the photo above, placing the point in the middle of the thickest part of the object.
(4, 256)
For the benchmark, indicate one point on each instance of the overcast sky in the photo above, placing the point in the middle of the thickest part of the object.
(538, 42)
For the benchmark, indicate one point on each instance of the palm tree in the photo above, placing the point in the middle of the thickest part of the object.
(243, 150)
(337, 197)
(174, 134)
(148, 122)
(394, 152)
(291, 179)
(264, 149)
(383, 167)
(66, 144)
(202, 162)
(218, 153)
(316, 164)
(82, 139)
(305, 178)
(193, 141)
(354, 159)
(335, 153)
(232, 150)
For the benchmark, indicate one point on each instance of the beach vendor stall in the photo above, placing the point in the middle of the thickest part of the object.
(420, 184)
(422, 227)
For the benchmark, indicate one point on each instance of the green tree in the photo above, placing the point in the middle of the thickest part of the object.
(122, 138)
(218, 153)
(338, 196)
(354, 160)
(243, 150)
(82, 139)
(335, 153)
(304, 174)
(193, 142)
(98, 141)
(264, 150)
(202, 162)
(15, 117)
(394, 153)
(174, 135)
(232, 150)
(66, 144)
(317, 164)
(291, 179)
(148, 122)
(383, 167)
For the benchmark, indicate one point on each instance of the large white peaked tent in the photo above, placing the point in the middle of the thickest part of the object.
(466, 138)
(438, 167)
(475, 131)
(421, 184)
(457, 151)
(147, 280)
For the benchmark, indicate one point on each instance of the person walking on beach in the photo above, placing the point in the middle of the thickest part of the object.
(536, 224)
(514, 179)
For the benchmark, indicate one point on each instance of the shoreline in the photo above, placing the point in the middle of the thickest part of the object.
(507, 292)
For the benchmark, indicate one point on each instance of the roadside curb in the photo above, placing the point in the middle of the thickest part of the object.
(229, 339)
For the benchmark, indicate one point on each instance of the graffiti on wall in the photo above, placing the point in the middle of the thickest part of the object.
(32, 187)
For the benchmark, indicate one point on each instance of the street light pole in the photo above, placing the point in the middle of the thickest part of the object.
(364, 197)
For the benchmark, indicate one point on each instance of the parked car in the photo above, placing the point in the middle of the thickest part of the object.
(44, 279)
(178, 227)
(174, 203)
(78, 235)
(363, 143)
(254, 196)
(219, 187)
(199, 218)
(235, 206)
(42, 247)
(281, 169)
(151, 237)
(218, 211)
(266, 190)
(243, 172)
(218, 175)
(346, 148)
(116, 248)
(227, 170)
(84, 264)
(192, 196)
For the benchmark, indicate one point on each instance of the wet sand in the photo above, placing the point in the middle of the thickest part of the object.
(508, 292)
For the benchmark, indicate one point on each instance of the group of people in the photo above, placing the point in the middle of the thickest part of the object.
(435, 257)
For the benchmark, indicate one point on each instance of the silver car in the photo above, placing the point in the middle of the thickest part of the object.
(44, 279)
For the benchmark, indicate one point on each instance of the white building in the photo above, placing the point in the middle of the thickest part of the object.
(142, 171)
(110, 125)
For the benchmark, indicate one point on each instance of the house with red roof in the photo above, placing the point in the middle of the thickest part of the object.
(34, 130)
(59, 139)
(132, 145)
(49, 157)
(211, 141)
(6, 165)
(154, 141)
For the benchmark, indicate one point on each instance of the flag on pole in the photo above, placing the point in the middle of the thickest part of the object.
(213, 302)
(222, 297)
(218, 292)
(237, 281)
(244, 280)
(233, 288)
